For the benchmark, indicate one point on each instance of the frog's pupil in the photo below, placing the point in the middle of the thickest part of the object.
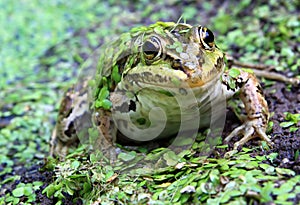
(209, 36)
(149, 48)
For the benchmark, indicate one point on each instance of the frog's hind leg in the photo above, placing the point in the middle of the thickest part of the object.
(59, 146)
(255, 105)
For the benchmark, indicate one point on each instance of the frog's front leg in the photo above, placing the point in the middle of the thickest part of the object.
(255, 105)
(107, 133)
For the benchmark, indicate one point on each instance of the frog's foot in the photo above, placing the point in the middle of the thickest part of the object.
(250, 129)
(60, 149)
(57, 147)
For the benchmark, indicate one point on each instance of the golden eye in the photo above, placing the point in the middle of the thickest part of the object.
(152, 48)
(206, 37)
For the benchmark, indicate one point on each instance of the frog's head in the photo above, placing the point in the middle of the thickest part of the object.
(169, 53)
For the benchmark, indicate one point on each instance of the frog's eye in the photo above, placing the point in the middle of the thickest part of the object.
(206, 37)
(152, 48)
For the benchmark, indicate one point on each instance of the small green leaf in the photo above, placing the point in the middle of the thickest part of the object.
(109, 174)
(233, 72)
(284, 198)
(86, 187)
(266, 191)
(104, 93)
(268, 168)
(222, 146)
(251, 165)
(293, 129)
(106, 104)
(68, 188)
(229, 194)
(231, 83)
(271, 156)
(286, 124)
(284, 171)
(214, 176)
(294, 117)
(75, 164)
(18, 192)
(159, 30)
(96, 157)
(28, 191)
(171, 158)
(128, 156)
(292, 120)
(49, 190)
(115, 74)
(249, 176)
(58, 203)
(284, 188)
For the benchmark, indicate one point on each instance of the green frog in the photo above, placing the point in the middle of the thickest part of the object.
(174, 67)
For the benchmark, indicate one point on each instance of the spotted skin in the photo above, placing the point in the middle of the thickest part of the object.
(149, 67)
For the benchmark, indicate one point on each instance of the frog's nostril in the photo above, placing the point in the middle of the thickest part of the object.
(176, 64)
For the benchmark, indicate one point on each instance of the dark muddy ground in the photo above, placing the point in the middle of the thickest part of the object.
(286, 143)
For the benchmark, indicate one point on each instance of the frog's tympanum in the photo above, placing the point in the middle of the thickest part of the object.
(174, 66)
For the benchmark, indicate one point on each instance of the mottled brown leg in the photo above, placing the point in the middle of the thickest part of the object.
(256, 108)
(107, 134)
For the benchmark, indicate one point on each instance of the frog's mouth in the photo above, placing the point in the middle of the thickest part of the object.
(166, 76)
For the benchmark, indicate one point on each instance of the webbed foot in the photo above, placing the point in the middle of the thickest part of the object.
(250, 129)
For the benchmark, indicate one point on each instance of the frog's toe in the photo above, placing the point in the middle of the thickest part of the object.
(249, 130)
(58, 149)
